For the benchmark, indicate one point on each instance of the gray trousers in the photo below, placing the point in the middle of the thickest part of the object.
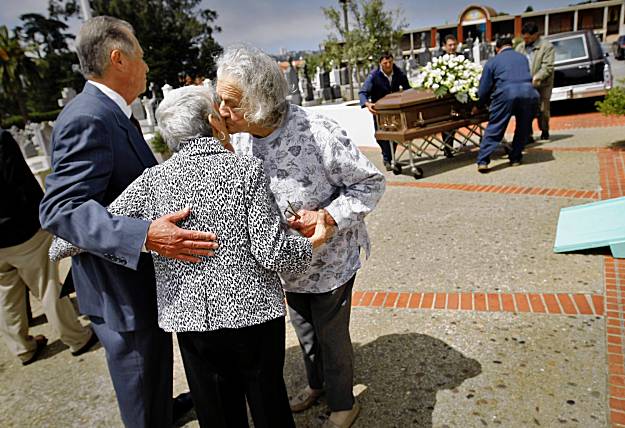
(321, 322)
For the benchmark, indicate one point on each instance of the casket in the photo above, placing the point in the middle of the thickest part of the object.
(406, 115)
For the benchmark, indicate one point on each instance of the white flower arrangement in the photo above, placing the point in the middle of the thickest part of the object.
(451, 74)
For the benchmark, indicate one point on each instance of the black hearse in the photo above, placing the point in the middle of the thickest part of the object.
(581, 67)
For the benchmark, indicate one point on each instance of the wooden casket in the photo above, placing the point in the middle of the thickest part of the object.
(406, 115)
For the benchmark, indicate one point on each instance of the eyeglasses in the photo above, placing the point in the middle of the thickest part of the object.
(290, 210)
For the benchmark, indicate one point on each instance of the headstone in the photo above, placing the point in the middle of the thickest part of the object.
(336, 92)
(294, 97)
(137, 109)
(148, 105)
(24, 142)
(305, 86)
(344, 73)
(165, 89)
(67, 94)
(335, 77)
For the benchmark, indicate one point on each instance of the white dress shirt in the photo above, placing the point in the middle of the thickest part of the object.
(117, 99)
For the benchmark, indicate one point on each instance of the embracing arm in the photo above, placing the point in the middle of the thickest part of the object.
(82, 167)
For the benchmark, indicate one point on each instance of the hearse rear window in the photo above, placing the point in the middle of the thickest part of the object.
(570, 49)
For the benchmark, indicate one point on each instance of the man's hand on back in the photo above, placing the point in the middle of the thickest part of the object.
(168, 240)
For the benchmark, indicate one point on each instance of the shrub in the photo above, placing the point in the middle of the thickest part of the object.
(614, 102)
(158, 144)
(36, 117)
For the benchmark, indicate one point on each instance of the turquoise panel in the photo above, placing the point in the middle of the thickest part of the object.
(594, 225)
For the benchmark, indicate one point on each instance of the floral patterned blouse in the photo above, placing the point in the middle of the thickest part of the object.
(312, 163)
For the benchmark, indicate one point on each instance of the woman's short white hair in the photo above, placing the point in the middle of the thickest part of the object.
(261, 82)
(183, 114)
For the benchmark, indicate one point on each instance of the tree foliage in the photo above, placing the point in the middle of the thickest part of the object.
(176, 35)
(373, 29)
(17, 69)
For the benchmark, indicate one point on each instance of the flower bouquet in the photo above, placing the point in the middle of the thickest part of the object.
(451, 74)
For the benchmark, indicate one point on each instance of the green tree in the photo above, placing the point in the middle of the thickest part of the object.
(176, 35)
(16, 69)
(373, 30)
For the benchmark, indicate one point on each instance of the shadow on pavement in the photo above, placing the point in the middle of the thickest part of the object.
(401, 375)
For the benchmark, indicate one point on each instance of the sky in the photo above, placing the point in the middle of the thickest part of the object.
(299, 24)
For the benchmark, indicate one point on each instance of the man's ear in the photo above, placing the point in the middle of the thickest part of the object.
(117, 59)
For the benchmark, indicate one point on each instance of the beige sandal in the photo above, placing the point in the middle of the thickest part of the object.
(305, 399)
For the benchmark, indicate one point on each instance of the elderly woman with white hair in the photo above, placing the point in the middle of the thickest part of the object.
(315, 168)
(228, 310)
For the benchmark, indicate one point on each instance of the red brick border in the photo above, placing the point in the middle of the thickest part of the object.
(518, 190)
(547, 303)
(612, 177)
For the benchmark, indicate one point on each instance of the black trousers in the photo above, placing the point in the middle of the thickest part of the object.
(224, 367)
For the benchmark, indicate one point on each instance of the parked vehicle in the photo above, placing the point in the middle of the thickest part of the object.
(618, 48)
(582, 69)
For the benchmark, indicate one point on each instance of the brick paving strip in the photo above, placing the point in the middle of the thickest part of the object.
(546, 303)
(612, 178)
(519, 190)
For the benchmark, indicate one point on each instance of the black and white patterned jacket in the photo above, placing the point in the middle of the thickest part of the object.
(228, 195)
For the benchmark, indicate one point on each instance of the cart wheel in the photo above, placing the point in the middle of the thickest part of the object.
(397, 169)
(417, 173)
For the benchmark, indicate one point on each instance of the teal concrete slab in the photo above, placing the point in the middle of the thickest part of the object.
(594, 225)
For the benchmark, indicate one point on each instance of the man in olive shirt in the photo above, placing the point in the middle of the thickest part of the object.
(541, 56)
(24, 263)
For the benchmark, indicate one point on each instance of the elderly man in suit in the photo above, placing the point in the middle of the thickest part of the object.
(24, 264)
(382, 81)
(98, 150)
(541, 56)
(506, 84)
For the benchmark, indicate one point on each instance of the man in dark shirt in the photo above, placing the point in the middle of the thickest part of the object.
(449, 48)
(506, 83)
(382, 81)
(24, 263)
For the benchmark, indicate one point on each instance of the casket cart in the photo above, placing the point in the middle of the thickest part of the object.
(416, 119)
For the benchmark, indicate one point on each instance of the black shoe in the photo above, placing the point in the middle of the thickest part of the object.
(515, 163)
(183, 404)
(544, 136)
(531, 140)
(482, 168)
(448, 153)
(87, 346)
(41, 342)
(388, 166)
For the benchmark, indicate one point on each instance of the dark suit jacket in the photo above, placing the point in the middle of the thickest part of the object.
(377, 85)
(506, 77)
(97, 153)
(20, 194)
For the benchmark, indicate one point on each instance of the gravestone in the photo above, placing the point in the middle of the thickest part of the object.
(67, 94)
(137, 109)
(150, 120)
(166, 89)
(294, 97)
(305, 86)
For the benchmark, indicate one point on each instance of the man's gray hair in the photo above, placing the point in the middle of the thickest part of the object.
(97, 38)
(261, 81)
(183, 114)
